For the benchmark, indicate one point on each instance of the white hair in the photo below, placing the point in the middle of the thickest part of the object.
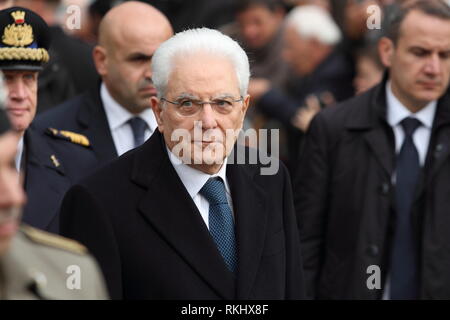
(198, 40)
(311, 21)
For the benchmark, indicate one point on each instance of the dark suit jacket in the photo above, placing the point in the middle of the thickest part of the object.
(139, 221)
(51, 166)
(344, 200)
(83, 114)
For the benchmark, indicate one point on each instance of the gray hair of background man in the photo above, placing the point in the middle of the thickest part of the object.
(311, 21)
(193, 41)
(436, 8)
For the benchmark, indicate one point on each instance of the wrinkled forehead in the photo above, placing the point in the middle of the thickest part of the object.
(203, 74)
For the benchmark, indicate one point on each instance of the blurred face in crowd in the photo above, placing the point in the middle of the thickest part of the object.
(368, 74)
(191, 81)
(5, 4)
(299, 52)
(258, 25)
(11, 194)
(420, 61)
(355, 17)
(22, 97)
(129, 36)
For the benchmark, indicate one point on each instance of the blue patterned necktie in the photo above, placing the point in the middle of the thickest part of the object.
(404, 256)
(221, 224)
(138, 126)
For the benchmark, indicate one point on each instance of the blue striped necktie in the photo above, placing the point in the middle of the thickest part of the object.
(221, 224)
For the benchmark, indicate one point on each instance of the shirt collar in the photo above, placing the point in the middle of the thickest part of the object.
(193, 179)
(397, 112)
(118, 115)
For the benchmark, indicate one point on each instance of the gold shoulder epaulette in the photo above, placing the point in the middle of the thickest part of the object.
(53, 240)
(69, 136)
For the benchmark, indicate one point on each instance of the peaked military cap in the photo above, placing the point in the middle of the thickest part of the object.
(25, 40)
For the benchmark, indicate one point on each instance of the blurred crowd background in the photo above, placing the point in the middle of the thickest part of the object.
(301, 60)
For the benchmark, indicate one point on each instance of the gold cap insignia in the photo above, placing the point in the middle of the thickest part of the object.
(19, 34)
(19, 16)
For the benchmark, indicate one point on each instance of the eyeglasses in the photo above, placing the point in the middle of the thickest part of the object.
(186, 107)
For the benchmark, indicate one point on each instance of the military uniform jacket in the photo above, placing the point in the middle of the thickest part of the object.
(51, 164)
(43, 266)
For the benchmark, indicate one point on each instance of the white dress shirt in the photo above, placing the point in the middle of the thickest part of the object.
(19, 153)
(194, 180)
(118, 118)
(396, 113)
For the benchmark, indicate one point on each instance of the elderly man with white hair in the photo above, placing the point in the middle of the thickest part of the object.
(321, 73)
(176, 218)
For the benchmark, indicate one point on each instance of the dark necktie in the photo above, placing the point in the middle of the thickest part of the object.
(404, 256)
(221, 224)
(138, 126)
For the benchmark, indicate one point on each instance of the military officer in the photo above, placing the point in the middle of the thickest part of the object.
(49, 160)
(33, 263)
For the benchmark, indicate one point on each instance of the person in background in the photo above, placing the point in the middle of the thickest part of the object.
(369, 69)
(116, 115)
(322, 74)
(49, 160)
(258, 27)
(372, 187)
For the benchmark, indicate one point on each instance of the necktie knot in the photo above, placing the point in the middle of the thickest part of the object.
(214, 191)
(410, 125)
(138, 126)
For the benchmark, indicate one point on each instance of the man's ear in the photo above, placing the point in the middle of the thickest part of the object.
(100, 60)
(246, 103)
(386, 50)
(157, 110)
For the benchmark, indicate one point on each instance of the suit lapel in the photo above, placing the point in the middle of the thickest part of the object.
(382, 148)
(249, 202)
(168, 207)
(45, 181)
(92, 117)
(370, 120)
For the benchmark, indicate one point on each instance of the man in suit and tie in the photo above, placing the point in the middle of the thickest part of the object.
(175, 219)
(116, 116)
(48, 161)
(372, 192)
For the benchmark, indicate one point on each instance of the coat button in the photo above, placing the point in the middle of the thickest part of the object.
(438, 149)
(384, 189)
(373, 250)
